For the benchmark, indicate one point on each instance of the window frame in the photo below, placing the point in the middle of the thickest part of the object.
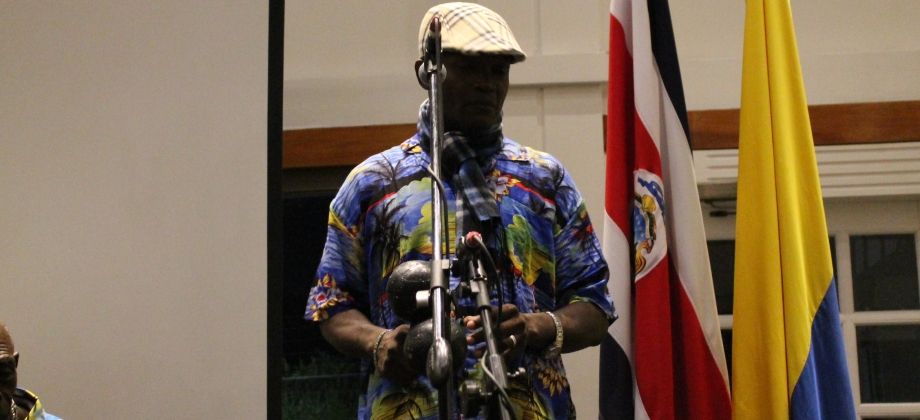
(847, 217)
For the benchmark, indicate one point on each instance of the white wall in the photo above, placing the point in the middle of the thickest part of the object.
(350, 64)
(133, 216)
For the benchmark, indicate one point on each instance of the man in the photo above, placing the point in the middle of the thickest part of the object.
(23, 405)
(523, 202)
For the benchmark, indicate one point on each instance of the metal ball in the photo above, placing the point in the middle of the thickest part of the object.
(407, 279)
(419, 341)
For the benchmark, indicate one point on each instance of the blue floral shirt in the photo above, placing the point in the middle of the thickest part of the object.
(26, 399)
(382, 217)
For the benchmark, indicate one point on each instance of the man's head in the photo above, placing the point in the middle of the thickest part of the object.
(478, 50)
(9, 360)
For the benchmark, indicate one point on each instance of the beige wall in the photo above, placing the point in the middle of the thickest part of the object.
(349, 62)
(133, 219)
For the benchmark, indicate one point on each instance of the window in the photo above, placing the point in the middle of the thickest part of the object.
(318, 382)
(876, 267)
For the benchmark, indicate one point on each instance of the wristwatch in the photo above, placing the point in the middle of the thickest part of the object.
(555, 348)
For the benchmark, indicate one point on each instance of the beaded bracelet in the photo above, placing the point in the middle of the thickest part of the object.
(377, 345)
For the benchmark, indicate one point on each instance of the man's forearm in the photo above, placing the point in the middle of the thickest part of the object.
(351, 333)
(583, 325)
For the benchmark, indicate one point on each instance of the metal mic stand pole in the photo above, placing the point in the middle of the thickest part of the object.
(439, 366)
(492, 392)
(495, 362)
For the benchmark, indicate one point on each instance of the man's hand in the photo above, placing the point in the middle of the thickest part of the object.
(391, 362)
(524, 329)
(351, 333)
(584, 325)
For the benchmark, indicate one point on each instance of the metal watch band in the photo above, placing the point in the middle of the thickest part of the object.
(555, 348)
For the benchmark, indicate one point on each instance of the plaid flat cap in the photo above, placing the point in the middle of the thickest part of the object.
(471, 29)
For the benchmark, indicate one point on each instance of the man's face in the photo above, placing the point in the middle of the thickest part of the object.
(8, 361)
(474, 91)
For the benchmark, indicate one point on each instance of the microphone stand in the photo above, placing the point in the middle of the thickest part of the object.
(439, 363)
(494, 388)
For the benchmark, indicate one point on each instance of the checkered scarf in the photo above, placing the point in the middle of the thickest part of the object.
(476, 206)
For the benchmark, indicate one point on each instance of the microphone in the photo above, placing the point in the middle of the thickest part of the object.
(473, 239)
(433, 39)
(430, 54)
(470, 244)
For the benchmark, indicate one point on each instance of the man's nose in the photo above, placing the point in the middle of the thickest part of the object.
(484, 81)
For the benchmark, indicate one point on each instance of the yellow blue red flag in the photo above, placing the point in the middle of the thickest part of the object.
(788, 355)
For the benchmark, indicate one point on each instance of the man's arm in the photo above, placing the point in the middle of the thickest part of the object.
(352, 334)
(583, 325)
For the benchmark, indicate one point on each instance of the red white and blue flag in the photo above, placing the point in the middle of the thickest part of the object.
(663, 358)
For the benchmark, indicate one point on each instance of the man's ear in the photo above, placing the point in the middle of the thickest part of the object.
(16, 359)
(419, 76)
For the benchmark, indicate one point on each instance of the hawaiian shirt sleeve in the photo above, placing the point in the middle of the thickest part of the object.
(341, 276)
(581, 271)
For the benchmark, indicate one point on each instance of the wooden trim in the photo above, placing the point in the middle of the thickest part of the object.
(339, 146)
(714, 129)
(878, 122)
(321, 179)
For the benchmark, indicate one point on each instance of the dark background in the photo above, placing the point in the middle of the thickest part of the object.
(305, 222)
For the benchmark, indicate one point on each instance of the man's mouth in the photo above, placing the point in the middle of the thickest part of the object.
(489, 105)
